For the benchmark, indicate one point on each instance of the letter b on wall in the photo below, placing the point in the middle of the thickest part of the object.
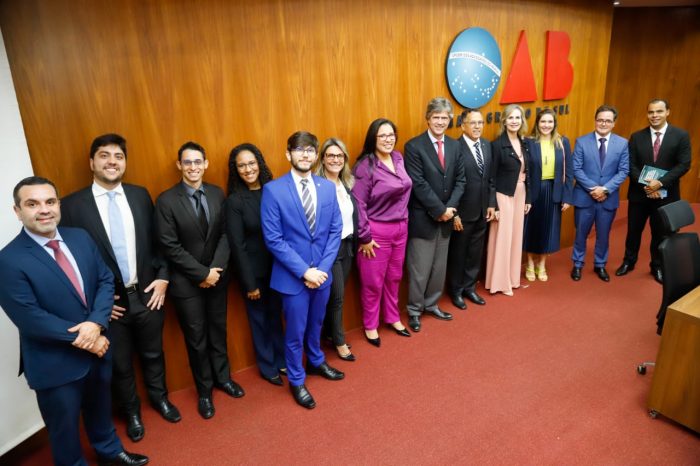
(558, 72)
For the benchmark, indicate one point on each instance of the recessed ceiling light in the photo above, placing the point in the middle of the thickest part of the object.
(616, 3)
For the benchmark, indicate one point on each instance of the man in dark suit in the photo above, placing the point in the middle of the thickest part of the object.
(435, 166)
(190, 228)
(473, 212)
(57, 290)
(119, 218)
(601, 164)
(663, 146)
(302, 225)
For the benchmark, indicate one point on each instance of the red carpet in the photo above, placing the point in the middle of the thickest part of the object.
(545, 377)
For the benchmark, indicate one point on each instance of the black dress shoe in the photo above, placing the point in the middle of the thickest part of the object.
(205, 407)
(624, 269)
(602, 273)
(414, 323)
(325, 371)
(458, 302)
(283, 371)
(167, 410)
(403, 332)
(131, 459)
(275, 380)
(134, 427)
(374, 341)
(658, 275)
(576, 274)
(439, 314)
(232, 389)
(302, 396)
(473, 297)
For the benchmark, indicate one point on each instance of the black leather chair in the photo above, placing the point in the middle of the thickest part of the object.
(680, 260)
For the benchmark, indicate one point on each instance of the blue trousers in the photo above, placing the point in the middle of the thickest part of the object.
(304, 313)
(585, 218)
(62, 406)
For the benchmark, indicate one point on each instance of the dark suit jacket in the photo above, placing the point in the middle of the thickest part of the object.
(250, 256)
(288, 237)
(563, 171)
(189, 251)
(674, 156)
(479, 188)
(589, 173)
(506, 167)
(42, 302)
(434, 188)
(80, 210)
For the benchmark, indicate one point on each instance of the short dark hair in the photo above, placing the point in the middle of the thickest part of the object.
(467, 110)
(107, 140)
(190, 145)
(663, 101)
(606, 108)
(31, 181)
(235, 183)
(302, 139)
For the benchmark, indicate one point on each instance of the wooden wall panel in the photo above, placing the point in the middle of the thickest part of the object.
(653, 54)
(224, 72)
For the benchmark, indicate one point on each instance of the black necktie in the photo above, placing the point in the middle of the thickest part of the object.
(601, 151)
(479, 159)
(201, 214)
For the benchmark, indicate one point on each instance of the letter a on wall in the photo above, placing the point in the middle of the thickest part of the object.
(520, 86)
(558, 72)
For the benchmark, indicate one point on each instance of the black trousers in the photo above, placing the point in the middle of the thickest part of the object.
(333, 322)
(202, 319)
(139, 330)
(637, 214)
(464, 258)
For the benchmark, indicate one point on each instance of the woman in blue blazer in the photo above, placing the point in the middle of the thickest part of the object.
(551, 187)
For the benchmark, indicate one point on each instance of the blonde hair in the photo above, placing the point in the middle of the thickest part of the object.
(556, 137)
(507, 112)
(345, 175)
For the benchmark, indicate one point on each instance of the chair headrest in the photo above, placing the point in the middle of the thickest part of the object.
(676, 215)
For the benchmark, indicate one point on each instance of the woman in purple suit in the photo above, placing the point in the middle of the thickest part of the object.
(382, 189)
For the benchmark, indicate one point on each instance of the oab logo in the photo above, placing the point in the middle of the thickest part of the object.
(473, 67)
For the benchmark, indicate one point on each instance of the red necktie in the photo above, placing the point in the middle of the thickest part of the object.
(657, 145)
(66, 266)
(441, 156)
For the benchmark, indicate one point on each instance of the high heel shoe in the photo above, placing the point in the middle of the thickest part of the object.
(348, 357)
(374, 341)
(530, 274)
(403, 332)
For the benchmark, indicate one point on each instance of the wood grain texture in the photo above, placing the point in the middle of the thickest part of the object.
(223, 72)
(653, 54)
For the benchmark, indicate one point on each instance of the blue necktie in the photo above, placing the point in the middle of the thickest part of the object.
(601, 152)
(118, 237)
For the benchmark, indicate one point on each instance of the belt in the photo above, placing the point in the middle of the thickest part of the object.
(132, 289)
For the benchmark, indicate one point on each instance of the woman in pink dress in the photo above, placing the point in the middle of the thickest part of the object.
(512, 203)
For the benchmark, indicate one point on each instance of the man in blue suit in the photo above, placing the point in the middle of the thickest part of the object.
(601, 164)
(58, 291)
(301, 224)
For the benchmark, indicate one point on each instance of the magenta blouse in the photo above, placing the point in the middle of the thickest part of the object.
(381, 195)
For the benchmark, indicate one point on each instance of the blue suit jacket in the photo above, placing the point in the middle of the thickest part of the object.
(589, 174)
(563, 176)
(288, 237)
(41, 301)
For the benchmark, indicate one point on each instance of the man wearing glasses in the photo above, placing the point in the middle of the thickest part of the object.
(473, 212)
(190, 226)
(601, 164)
(302, 225)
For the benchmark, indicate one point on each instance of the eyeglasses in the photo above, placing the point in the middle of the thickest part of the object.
(476, 123)
(600, 121)
(189, 163)
(386, 137)
(303, 150)
(334, 156)
(251, 165)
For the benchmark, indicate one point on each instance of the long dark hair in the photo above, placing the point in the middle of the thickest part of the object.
(235, 183)
(371, 141)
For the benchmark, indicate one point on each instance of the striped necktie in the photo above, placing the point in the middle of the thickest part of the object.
(308, 203)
